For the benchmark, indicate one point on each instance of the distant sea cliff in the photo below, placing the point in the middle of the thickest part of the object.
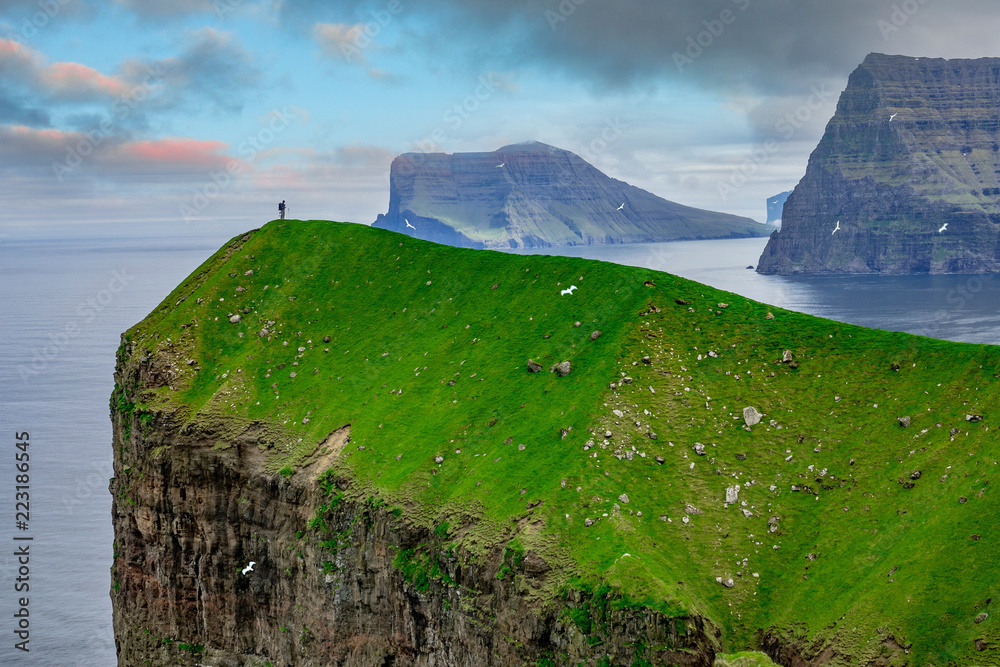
(906, 178)
(533, 195)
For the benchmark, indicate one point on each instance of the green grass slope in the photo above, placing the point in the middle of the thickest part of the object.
(835, 546)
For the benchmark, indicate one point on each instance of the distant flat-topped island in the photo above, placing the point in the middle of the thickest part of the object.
(533, 195)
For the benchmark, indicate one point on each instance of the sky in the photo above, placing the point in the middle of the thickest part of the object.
(186, 113)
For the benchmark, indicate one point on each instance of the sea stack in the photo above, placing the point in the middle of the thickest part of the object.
(908, 169)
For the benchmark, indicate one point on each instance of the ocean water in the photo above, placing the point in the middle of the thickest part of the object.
(65, 304)
(56, 386)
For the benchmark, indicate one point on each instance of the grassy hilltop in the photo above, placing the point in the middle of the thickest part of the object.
(851, 533)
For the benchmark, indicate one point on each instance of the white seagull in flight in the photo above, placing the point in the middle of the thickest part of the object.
(409, 225)
(620, 207)
(943, 228)
(249, 568)
(893, 116)
(837, 228)
(568, 291)
(500, 166)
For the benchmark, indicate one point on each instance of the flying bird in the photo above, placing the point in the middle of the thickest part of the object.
(620, 207)
(837, 228)
(943, 227)
(409, 225)
(500, 166)
(249, 568)
(568, 291)
(893, 116)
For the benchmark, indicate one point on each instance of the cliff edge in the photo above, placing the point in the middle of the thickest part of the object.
(435, 456)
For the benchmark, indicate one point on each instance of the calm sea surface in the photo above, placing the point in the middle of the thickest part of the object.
(56, 386)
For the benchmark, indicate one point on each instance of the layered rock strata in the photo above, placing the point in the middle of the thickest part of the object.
(906, 178)
(338, 578)
(534, 195)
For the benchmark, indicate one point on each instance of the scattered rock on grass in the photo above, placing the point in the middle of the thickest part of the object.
(563, 368)
(904, 422)
(534, 366)
(595, 335)
(982, 617)
(235, 319)
(623, 498)
(974, 418)
(751, 416)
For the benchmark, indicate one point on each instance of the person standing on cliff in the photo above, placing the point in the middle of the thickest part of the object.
(281, 209)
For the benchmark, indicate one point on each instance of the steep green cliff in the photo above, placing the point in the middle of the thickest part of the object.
(355, 411)
(909, 167)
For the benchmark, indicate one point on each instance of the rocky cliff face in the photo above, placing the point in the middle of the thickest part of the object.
(533, 195)
(909, 167)
(356, 412)
(339, 579)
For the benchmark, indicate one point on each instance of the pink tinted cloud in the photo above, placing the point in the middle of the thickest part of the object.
(74, 80)
(11, 49)
(178, 155)
(44, 135)
(61, 80)
(16, 58)
(178, 151)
